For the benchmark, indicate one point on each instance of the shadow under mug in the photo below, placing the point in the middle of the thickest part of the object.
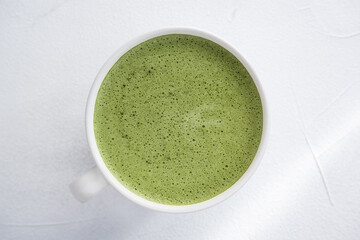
(97, 178)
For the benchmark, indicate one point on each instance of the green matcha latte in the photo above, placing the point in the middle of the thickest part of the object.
(178, 119)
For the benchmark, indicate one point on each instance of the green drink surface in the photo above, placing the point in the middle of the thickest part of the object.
(178, 119)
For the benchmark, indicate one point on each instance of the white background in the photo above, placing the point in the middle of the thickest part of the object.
(306, 54)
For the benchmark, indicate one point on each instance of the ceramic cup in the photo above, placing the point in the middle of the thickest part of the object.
(97, 178)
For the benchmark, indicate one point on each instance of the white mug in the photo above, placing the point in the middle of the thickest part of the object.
(97, 178)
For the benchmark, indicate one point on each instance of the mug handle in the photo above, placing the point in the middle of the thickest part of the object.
(88, 184)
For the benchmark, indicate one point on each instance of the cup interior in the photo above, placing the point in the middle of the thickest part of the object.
(91, 135)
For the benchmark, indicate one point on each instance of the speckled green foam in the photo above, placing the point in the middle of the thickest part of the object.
(178, 119)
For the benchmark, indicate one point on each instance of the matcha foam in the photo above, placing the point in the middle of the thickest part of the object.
(178, 119)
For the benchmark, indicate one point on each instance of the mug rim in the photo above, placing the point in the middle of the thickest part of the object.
(89, 118)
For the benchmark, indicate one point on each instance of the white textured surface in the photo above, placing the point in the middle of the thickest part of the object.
(306, 53)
